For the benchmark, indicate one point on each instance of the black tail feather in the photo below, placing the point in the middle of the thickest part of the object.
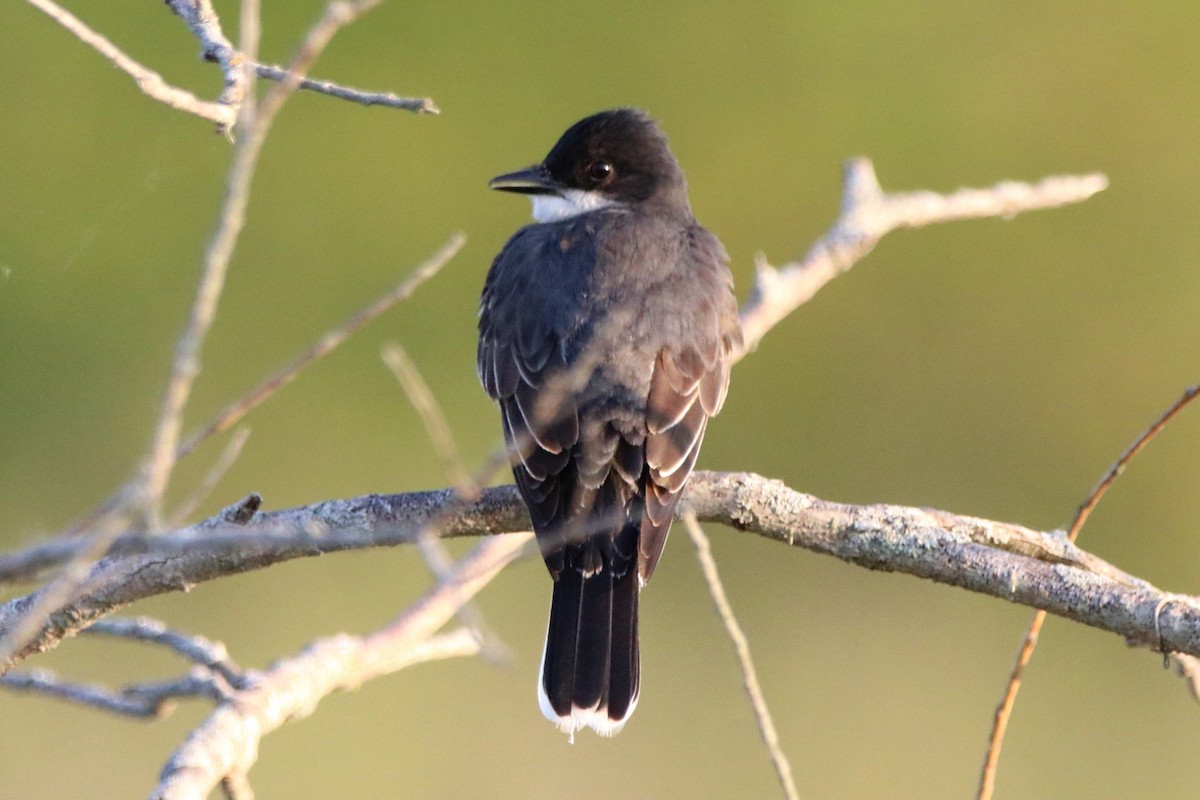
(625, 669)
(593, 647)
(590, 669)
(558, 659)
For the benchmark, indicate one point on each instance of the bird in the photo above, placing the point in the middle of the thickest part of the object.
(607, 329)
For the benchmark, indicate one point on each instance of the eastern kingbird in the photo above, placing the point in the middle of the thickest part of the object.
(605, 334)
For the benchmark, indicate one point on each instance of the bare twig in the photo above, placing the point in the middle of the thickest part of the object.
(202, 20)
(143, 700)
(337, 15)
(242, 64)
(16, 635)
(868, 214)
(1118, 467)
(434, 421)
(222, 112)
(162, 459)
(1003, 713)
(215, 676)
(741, 646)
(205, 25)
(227, 742)
(421, 105)
(426, 406)
(197, 649)
(236, 411)
(229, 454)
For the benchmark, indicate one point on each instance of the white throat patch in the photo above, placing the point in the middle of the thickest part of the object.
(570, 203)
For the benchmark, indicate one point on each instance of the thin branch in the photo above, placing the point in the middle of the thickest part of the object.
(162, 459)
(144, 700)
(17, 635)
(232, 217)
(421, 105)
(337, 15)
(741, 646)
(434, 421)
(12, 569)
(432, 418)
(432, 550)
(1003, 713)
(225, 461)
(227, 742)
(331, 340)
(256, 124)
(202, 20)
(868, 213)
(1118, 467)
(242, 64)
(214, 675)
(148, 81)
(197, 649)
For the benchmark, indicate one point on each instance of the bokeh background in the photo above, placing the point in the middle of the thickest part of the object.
(993, 368)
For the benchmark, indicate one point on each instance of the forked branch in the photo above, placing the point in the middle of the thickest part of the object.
(202, 20)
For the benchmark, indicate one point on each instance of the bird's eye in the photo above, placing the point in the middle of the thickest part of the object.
(599, 171)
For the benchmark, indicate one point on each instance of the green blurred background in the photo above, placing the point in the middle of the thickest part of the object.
(992, 368)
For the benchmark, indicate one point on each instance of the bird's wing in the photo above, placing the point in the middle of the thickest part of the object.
(688, 386)
(526, 314)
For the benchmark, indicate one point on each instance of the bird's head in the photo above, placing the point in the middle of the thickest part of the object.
(614, 158)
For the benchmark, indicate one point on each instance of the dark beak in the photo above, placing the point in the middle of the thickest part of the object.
(531, 180)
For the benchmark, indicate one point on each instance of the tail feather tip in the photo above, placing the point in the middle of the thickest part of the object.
(577, 718)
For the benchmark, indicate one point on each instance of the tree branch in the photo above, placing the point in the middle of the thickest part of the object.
(868, 213)
(161, 460)
(1003, 560)
(142, 700)
(203, 652)
(741, 648)
(422, 105)
(214, 675)
(222, 112)
(202, 20)
(227, 742)
(987, 779)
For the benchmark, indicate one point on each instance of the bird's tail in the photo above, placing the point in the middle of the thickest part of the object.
(590, 669)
